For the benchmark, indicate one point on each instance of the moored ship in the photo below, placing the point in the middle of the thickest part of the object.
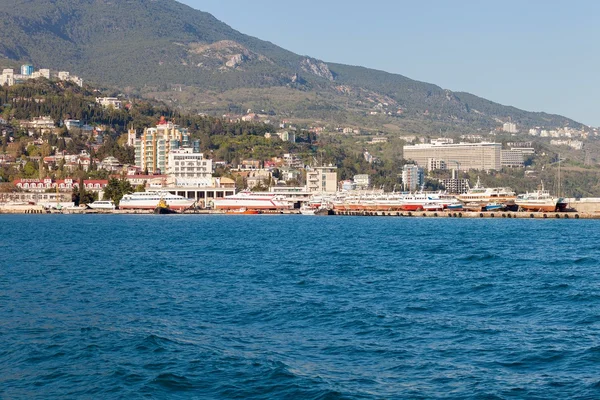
(251, 201)
(149, 200)
(483, 196)
(540, 201)
(102, 205)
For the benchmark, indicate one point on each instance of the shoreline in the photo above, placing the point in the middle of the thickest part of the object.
(398, 214)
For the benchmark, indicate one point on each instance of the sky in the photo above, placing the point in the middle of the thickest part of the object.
(532, 54)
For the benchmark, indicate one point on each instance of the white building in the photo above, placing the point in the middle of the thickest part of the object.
(42, 73)
(72, 123)
(287, 136)
(362, 181)
(510, 127)
(110, 102)
(7, 77)
(189, 168)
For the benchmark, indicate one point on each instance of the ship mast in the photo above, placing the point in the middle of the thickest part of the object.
(558, 174)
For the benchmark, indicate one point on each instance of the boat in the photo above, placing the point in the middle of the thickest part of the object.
(395, 202)
(253, 201)
(321, 210)
(493, 207)
(455, 207)
(418, 201)
(163, 208)
(102, 205)
(484, 196)
(433, 206)
(307, 210)
(149, 200)
(243, 211)
(540, 201)
(80, 209)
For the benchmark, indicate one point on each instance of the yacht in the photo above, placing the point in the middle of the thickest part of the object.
(102, 205)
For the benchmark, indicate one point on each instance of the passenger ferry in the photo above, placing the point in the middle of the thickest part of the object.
(479, 194)
(540, 200)
(253, 201)
(150, 200)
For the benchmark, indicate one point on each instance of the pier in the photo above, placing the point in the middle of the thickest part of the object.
(472, 214)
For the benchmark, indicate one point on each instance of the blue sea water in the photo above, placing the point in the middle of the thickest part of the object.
(298, 307)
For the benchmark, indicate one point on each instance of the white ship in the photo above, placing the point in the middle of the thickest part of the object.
(541, 200)
(479, 194)
(102, 205)
(149, 201)
(252, 201)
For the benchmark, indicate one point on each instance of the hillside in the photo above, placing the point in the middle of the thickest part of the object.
(150, 47)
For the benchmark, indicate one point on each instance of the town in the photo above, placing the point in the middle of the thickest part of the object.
(73, 163)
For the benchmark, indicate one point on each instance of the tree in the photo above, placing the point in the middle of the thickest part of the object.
(116, 189)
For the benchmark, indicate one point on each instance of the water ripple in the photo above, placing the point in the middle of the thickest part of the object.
(298, 307)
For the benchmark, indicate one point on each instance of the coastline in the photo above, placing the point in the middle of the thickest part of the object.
(397, 214)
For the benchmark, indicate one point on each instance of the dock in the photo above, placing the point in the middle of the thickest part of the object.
(472, 214)
(406, 214)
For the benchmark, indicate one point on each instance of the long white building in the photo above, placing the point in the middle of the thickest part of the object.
(463, 156)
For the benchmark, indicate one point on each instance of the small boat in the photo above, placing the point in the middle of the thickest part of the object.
(493, 207)
(307, 210)
(102, 205)
(455, 207)
(433, 207)
(243, 211)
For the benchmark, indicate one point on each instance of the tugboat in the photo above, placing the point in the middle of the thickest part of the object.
(163, 208)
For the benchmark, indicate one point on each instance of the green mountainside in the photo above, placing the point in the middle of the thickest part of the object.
(164, 49)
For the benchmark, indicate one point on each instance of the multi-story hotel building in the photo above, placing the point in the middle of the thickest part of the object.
(189, 167)
(463, 156)
(153, 147)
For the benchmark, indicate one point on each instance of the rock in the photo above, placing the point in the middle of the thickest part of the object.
(318, 68)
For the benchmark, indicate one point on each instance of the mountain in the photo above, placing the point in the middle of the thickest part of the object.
(151, 47)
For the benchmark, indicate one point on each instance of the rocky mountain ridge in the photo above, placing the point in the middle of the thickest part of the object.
(151, 46)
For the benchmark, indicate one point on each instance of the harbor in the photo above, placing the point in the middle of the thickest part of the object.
(36, 209)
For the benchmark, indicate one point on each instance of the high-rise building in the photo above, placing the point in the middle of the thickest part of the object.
(322, 179)
(412, 177)
(463, 156)
(153, 147)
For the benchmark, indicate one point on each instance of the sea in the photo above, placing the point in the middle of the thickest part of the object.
(298, 307)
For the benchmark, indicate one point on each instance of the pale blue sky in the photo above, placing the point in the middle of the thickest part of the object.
(532, 54)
